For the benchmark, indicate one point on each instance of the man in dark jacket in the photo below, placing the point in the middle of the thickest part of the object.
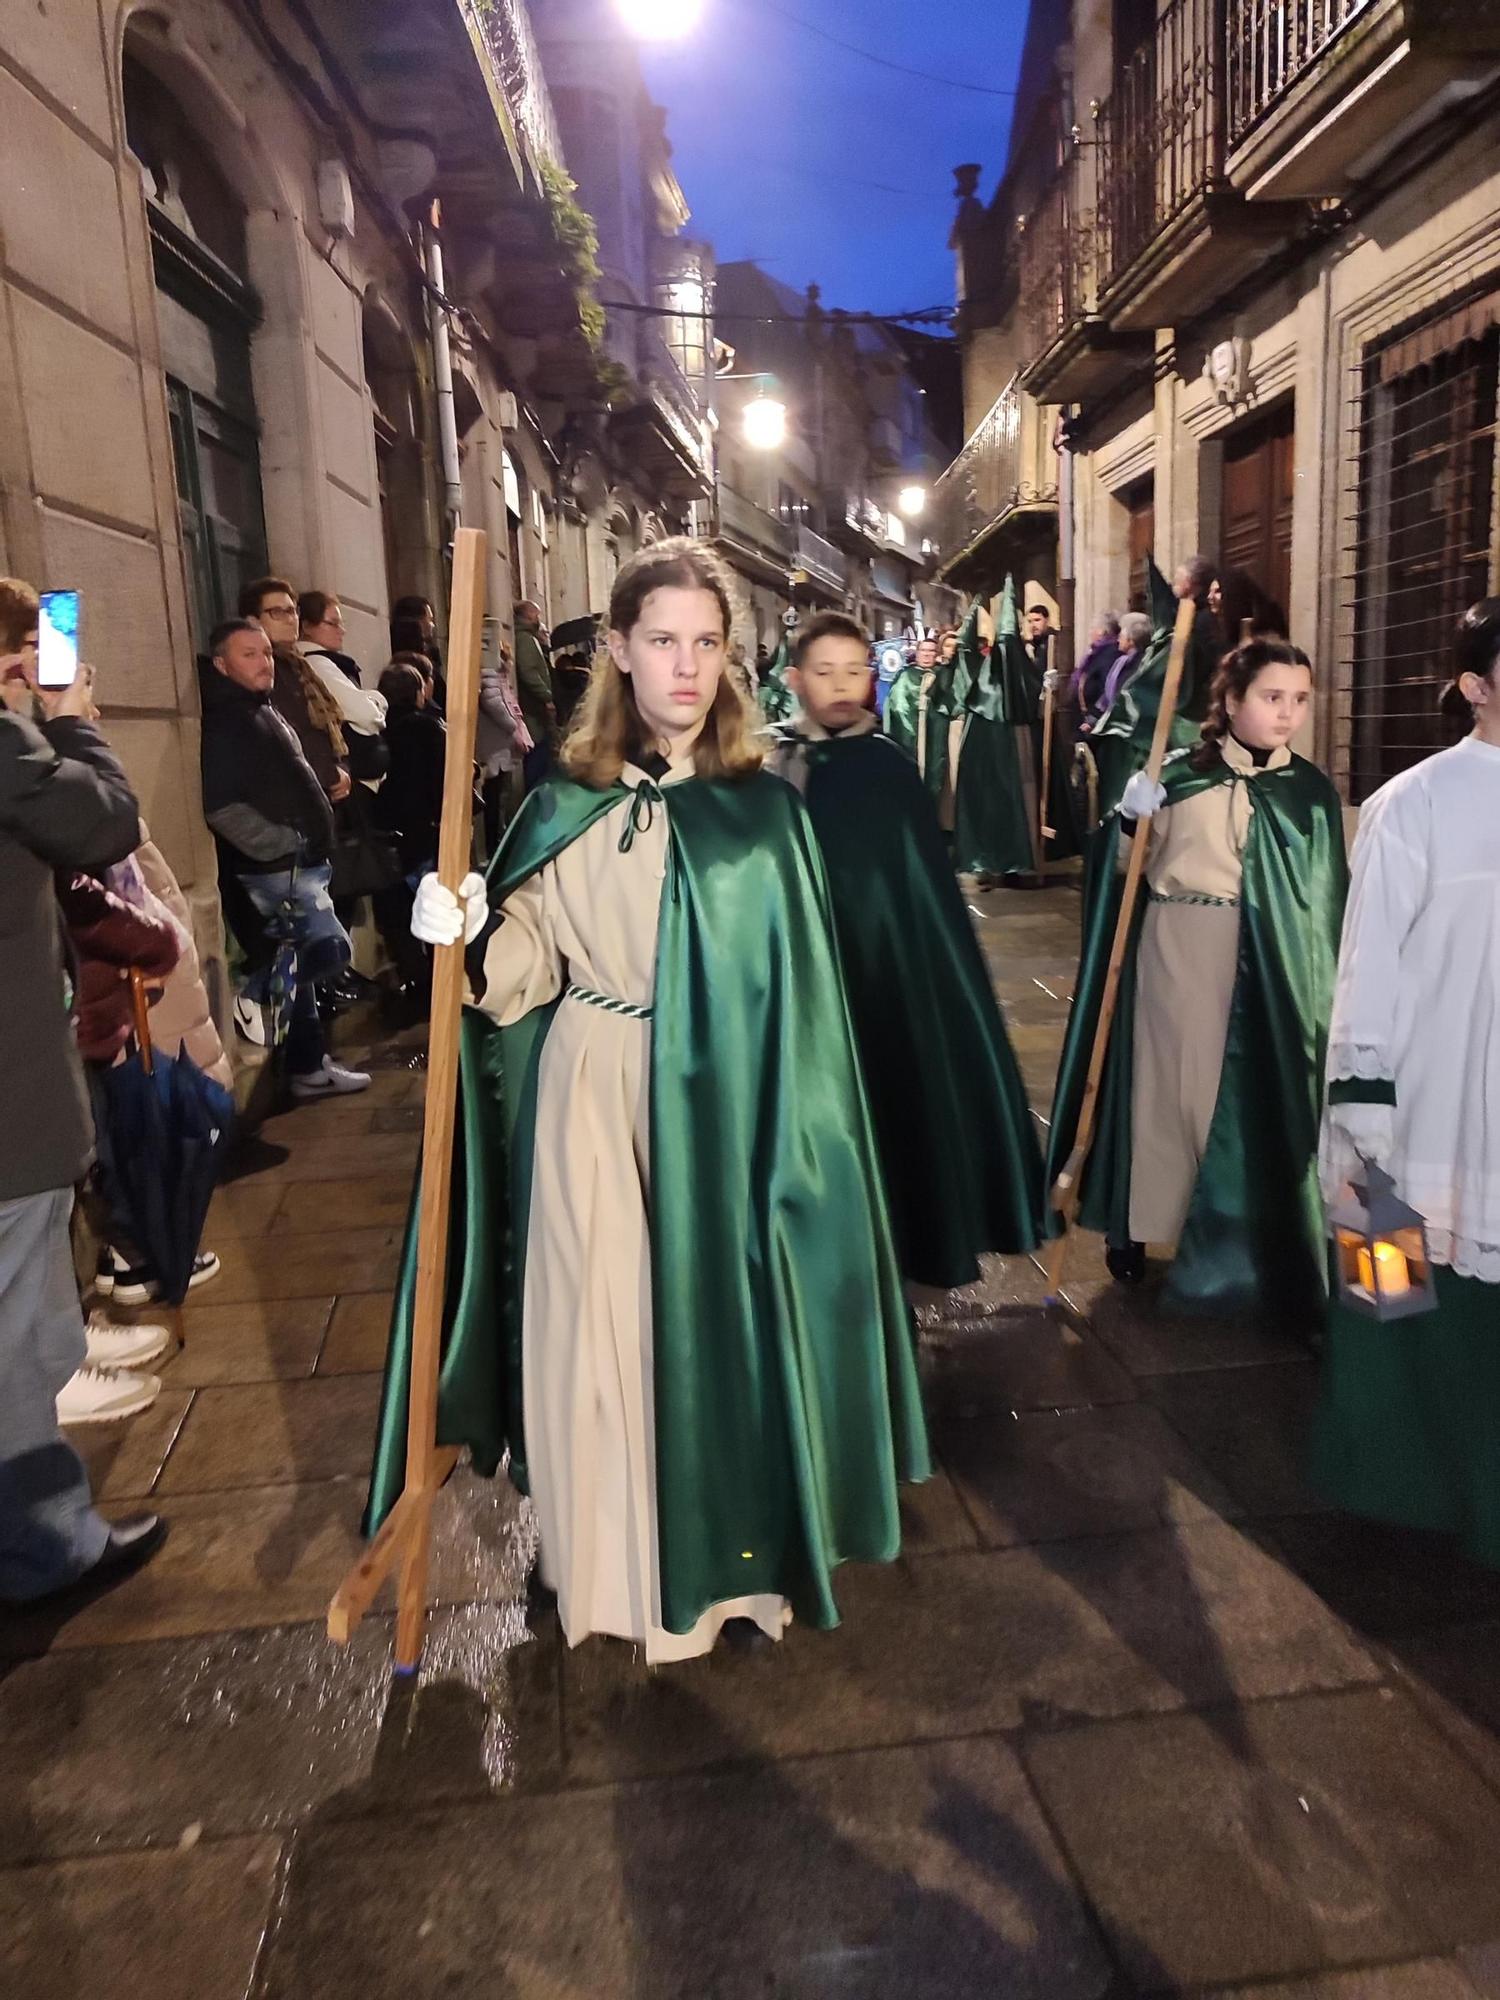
(275, 829)
(534, 685)
(64, 803)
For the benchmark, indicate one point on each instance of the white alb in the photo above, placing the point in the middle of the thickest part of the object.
(1418, 997)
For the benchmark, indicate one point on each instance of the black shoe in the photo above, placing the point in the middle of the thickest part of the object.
(743, 1635)
(1125, 1262)
(130, 1547)
(540, 1601)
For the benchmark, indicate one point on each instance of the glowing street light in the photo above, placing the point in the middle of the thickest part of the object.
(660, 20)
(912, 500)
(765, 423)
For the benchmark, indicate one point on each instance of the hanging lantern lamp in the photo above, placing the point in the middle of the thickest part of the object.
(1380, 1244)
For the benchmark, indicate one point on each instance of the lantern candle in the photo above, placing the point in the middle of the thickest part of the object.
(1389, 1263)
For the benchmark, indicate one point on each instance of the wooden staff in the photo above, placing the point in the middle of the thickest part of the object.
(1067, 1189)
(405, 1537)
(1049, 708)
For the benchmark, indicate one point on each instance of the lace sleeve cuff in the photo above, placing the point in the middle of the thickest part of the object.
(1359, 1059)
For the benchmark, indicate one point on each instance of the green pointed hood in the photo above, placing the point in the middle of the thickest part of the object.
(963, 674)
(1161, 600)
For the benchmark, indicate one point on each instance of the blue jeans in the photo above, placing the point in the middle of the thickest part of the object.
(299, 897)
(49, 1531)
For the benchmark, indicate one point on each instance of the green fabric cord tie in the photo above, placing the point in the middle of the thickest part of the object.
(1196, 902)
(608, 1004)
(642, 811)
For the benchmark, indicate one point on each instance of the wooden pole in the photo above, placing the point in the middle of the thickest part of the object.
(1049, 713)
(1067, 1188)
(404, 1540)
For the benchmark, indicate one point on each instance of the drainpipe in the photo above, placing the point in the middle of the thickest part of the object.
(442, 365)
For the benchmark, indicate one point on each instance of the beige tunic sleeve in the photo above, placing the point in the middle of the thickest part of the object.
(522, 967)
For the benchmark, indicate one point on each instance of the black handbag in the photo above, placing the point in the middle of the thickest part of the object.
(368, 757)
(366, 860)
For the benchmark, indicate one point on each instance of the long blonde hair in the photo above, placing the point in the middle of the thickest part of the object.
(609, 730)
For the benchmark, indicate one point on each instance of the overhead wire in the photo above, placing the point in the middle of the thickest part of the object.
(922, 316)
(869, 55)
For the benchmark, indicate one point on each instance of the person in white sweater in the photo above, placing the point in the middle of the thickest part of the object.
(1409, 1429)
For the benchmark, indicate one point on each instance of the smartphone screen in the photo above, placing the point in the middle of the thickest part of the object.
(57, 639)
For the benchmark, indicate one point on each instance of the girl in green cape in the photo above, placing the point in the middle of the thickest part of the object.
(1409, 1428)
(674, 1298)
(1209, 1107)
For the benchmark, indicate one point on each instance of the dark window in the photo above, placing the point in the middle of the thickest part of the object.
(206, 312)
(1426, 535)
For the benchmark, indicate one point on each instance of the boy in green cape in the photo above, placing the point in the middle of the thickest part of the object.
(917, 713)
(997, 830)
(956, 1140)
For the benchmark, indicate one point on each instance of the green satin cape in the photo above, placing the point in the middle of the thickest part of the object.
(994, 830)
(962, 1165)
(902, 713)
(1120, 741)
(1254, 1240)
(786, 1396)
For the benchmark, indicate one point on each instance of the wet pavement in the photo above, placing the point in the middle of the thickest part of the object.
(1134, 1714)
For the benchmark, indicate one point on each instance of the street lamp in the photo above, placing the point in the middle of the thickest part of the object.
(763, 418)
(660, 20)
(765, 423)
(912, 500)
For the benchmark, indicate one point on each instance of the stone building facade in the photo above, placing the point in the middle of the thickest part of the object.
(815, 523)
(1245, 262)
(240, 243)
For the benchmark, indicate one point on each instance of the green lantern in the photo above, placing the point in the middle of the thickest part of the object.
(1384, 1269)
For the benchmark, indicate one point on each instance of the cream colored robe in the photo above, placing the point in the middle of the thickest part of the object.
(590, 919)
(1186, 968)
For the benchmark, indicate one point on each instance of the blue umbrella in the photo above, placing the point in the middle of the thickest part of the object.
(162, 1127)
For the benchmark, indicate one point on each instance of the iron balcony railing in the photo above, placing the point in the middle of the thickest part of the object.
(741, 520)
(675, 398)
(819, 557)
(1268, 46)
(507, 31)
(1162, 130)
(1056, 266)
(985, 482)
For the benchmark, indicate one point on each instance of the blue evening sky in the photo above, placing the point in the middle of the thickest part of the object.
(823, 166)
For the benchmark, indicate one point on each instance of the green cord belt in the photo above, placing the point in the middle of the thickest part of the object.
(607, 1003)
(1196, 902)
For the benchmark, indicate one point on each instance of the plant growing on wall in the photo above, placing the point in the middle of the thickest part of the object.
(578, 239)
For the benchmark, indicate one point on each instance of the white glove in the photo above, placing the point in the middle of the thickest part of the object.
(1050, 680)
(1142, 797)
(1369, 1128)
(436, 915)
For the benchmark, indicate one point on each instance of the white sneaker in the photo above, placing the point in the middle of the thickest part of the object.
(250, 1019)
(330, 1081)
(113, 1346)
(95, 1396)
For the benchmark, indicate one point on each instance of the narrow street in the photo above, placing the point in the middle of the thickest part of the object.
(1134, 1715)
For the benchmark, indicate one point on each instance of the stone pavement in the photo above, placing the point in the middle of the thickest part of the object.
(1134, 1715)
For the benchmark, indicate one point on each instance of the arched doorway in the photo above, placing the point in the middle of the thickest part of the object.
(207, 311)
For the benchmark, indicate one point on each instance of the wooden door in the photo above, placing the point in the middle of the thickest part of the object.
(1255, 532)
(1140, 537)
